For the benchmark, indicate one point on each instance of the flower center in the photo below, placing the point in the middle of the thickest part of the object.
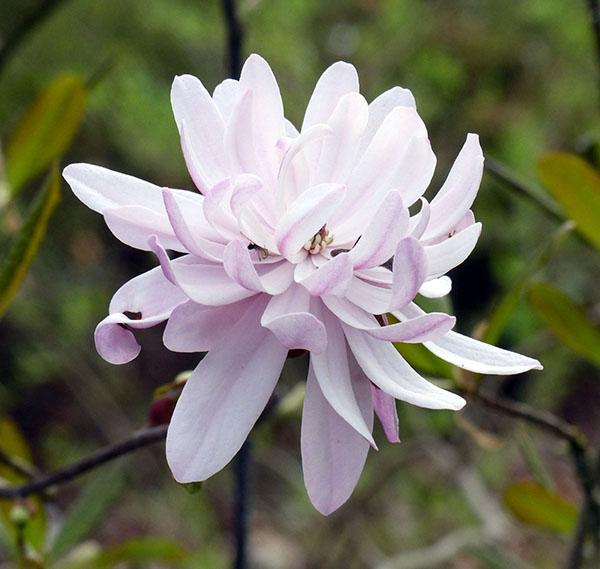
(319, 241)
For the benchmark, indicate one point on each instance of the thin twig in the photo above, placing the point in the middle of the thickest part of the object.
(138, 440)
(27, 25)
(503, 174)
(242, 486)
(235, 36)
(17, 465)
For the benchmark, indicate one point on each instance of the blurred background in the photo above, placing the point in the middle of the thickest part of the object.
(474, 490)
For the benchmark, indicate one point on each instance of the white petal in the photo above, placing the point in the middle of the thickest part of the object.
(458, 192)
(196, 114)
(337, 80)
(331, 278)
(226, 95)
(451, 252)
(306, 216)
(436, 288)
(215, 412)
(410, 269)
(333, 453)
(378, 243)
(387, 369)
(372, 298)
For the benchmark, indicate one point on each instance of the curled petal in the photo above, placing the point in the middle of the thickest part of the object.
(451, 252)
(370, 297)
(331, 278)
(410, 270)
(385, 409)
(114, 341)
(436, 288)
(238, 265)
(419, 223)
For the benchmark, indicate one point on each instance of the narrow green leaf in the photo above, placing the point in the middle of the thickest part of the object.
(576, 187)
(531, 503)
(46, 130)
(89, 510)
(14, 267)
(567, 320)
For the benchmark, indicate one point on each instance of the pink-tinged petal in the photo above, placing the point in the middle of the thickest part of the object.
(288, 316)
(331, 278)
(385, 409)
(294, 173)
(410, 270)
(451, 252)
(215, 412)
(114, 341)
(193, 327)
(163, 259)
(478, 357)
(331, 368)
(133, 225)
(276, 277)
(458, 192)
(239, 267)
(267, 113)
(306, 216)
(197, 115)
(189, 235)
(337, 80)
(333, 453)
(416, 330)
(304, 269)
(245, 187)
(378, 243)
(143, 302)
(102, 189)
(257, 229)
(339, 151)
(215, 208)
(382, 106)
(418, 224)
(436, 288)
(370, 297)
(387, 369)
(226, 95)
(290, 129)
(239, 143)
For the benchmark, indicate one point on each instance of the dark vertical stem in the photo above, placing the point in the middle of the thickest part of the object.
(234, 38)
(594, 8)
(242, 468)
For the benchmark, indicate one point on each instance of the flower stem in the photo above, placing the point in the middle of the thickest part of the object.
(242, 494)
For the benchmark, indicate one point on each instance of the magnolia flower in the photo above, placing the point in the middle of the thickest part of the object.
(295, 240)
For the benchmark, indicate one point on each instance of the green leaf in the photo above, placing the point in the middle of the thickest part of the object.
(576, 186)
(15, 266)
(533, 504)
(89, 510)
(142, 551)
(567, 320)
(46, 130)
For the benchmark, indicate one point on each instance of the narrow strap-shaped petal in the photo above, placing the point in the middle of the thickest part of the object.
(332, 371)
(196, 113)
(410, 270)
(239, 267)
(331, 278)
(387, 369)
(306, 216)
(215, 413)
(370, 297)
(380, 239)
(418, 223)
(245, 187)
(288, 316)
(458, 192)
(333, 453)
(444, 256)
(385, 409)
(337, 80)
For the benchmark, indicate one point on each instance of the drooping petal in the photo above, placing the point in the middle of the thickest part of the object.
(193, 327)
(239, 267)
(385, 409)
(306, 216)
(331, 278)
(380, 239)
(436, 288)
(114, 341)
(288, 316)
(458, 192)
(337, 80)
(479, 357)
(451, 252)
(215, 413)
(387, 369)
(332, 371)
(410, 270)
(333, 453)
(197, 115)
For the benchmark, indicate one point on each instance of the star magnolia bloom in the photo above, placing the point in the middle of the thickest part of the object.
(288, 246)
